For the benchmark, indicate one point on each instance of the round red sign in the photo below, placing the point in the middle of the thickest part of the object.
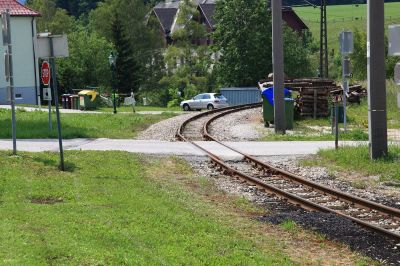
(45, 73)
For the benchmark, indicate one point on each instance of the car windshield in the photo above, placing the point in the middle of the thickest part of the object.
(219, 96)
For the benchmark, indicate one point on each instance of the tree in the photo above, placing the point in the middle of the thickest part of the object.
(53, 19)
(297, 60)
(141, 42)
(127, 68)
(188, 63)
(87, 63)
(243, 38)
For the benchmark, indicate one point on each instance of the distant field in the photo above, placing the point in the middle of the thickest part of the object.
(342, 17)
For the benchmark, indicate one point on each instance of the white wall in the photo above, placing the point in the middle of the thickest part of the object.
(23, 55)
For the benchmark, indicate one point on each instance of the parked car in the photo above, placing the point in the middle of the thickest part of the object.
(205, 101)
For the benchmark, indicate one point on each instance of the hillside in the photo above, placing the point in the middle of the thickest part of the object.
(342, 17)
(330, 2)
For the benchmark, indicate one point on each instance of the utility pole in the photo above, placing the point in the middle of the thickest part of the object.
(277, 55)
(9, 73)
(376, 80)
(323, 42)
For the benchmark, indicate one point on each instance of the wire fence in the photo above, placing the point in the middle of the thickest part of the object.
(347, 19)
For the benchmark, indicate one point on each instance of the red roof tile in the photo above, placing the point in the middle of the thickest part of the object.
(17, 9)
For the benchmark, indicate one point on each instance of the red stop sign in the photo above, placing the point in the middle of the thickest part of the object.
(45, 73)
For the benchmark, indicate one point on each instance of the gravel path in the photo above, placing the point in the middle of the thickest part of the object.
(166, 129)
(241, 126)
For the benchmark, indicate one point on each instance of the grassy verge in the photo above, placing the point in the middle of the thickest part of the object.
(357, 121)
(114, 208)
(356, 159)
(35, 125)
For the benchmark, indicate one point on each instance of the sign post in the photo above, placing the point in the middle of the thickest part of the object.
(346, 48)
(9, 73)
(52, 46)
(46, 77)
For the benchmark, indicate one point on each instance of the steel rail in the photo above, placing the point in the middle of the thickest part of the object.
(352, 200)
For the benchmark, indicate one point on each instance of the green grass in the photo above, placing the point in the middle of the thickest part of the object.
(108, 209)
(342, 17)
(357, 120)
(35, 125)
(357, 159)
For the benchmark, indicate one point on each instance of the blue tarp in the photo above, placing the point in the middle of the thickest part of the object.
(269, 95)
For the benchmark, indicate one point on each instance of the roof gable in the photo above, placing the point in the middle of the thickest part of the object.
(17, 9)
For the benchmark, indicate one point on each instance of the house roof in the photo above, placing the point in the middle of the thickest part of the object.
(208, 10)
(289, 12)
(166, 16)
(17, 9)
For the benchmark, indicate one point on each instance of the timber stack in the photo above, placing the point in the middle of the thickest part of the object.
(313, 96)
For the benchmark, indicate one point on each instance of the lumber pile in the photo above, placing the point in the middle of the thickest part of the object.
(356, 92)
(313, 96)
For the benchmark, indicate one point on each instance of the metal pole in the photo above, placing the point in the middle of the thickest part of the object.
(11, 89)
(113, 85)
(50, 122)
(277, 54)
(336, 126)
(345, 90)
(55, 92)
(11, 86)
(377, 116)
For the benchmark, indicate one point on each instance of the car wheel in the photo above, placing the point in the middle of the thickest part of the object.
(210, 107)
(186, 107)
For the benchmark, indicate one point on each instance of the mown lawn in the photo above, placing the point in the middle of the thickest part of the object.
(116, 208)
(35, 125)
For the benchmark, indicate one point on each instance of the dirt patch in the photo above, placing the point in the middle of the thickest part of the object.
(46, 200)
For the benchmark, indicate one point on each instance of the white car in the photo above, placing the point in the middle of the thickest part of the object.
(205, 101)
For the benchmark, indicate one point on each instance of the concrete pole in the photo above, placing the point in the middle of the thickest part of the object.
(277, 55)
(376, 80)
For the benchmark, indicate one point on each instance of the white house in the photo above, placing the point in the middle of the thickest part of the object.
(26, 72)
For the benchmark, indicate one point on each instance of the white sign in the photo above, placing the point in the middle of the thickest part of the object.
(5, 27)
(394, 40)
(346, 42)
(46, 94)
(397, 74)
(60, 46)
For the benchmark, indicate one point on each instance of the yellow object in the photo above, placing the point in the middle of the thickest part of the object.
(89, 93)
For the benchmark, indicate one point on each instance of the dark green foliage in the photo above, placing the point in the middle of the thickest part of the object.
(243, 37)
(127, 68)
(87, 63)
(77, 8)
(296, 54)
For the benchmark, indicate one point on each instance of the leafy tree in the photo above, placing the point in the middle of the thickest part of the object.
(243, 37)
(142, 42)
(87, 63)
(359, 56)
(53, 19)
(188, 63)
(297, 61)
(77, 8)
(128, 69)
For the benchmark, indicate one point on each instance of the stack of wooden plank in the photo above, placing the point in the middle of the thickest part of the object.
(354, 95)
(313, 96)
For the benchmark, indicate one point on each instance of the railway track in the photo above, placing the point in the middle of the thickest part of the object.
(288, 186)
